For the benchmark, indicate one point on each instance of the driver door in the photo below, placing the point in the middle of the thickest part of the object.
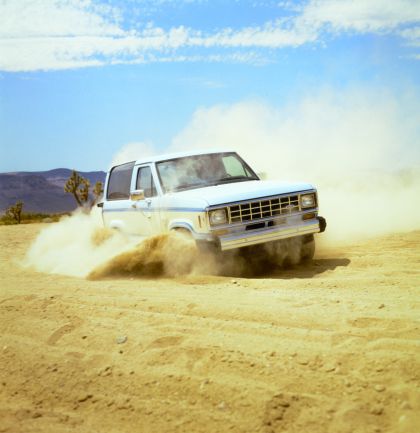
(145, 219)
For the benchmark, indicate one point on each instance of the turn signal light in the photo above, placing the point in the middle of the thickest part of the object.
(308, 216)
(220, 232)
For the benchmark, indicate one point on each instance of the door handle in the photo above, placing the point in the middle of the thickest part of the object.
(149, 203)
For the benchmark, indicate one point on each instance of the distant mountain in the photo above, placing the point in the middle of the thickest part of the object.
(41, 191)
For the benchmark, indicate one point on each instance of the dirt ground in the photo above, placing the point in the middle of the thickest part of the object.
(333, 346)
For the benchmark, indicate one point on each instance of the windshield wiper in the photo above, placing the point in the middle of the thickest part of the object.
(226, 179)
(187, 186)
(233, 179)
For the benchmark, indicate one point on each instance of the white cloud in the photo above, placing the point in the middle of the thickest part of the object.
(275, 34)
(48, 18)
(61, 34)
(56, 34)
(412, 33)
(248, 57)
(361, 15)
(412, 36)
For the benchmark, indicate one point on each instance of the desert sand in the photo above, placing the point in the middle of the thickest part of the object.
(332, 346)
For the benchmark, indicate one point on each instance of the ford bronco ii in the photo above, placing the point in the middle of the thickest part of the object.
(214, 196)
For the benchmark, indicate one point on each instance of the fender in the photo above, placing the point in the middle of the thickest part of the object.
(182, 224)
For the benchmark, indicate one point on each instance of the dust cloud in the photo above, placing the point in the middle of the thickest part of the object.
(175, 254)
(153, 257)
(359, 147)
(132, 152)
(76, 245)
(80, 246)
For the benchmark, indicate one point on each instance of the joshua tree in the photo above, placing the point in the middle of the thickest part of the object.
(15, 212)
(79, 187)
(98, 189)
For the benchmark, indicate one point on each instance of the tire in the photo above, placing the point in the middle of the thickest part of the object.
(183, 231)
(202, 246)
(307, 250)
(205, 247)
(284, 253)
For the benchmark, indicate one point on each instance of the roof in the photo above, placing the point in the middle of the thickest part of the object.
(164, 157)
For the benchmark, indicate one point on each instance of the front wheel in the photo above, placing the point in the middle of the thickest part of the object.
(307, 250)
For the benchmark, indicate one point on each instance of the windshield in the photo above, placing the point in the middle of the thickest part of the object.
(203, 170)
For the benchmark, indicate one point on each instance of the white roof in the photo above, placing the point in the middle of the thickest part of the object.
(164, 157)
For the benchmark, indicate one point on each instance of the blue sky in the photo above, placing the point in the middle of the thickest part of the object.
(79, 79)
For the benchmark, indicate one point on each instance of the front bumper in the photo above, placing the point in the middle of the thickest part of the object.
(244, 239)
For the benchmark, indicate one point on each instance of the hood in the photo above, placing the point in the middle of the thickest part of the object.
(238, 191)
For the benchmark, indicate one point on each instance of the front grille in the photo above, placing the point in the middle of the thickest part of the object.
(256, 210)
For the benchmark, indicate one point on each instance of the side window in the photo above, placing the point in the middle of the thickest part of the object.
(233, 166)
(119, 182)
(145, 182)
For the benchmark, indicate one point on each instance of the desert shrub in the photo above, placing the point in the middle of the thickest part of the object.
(97, 191)
(14, 213)
(79, 187)
(33, 217)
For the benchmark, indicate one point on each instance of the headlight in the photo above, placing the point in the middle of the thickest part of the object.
(218, 217)
(307, 200)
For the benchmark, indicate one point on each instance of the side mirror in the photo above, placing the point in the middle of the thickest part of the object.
(137, 194)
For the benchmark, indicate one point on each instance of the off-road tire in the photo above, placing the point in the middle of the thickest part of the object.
(307, 250)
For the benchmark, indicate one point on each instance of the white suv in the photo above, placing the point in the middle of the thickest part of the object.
(215, 196)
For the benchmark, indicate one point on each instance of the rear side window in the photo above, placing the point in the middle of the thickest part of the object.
(145, 182)
(120, 181)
